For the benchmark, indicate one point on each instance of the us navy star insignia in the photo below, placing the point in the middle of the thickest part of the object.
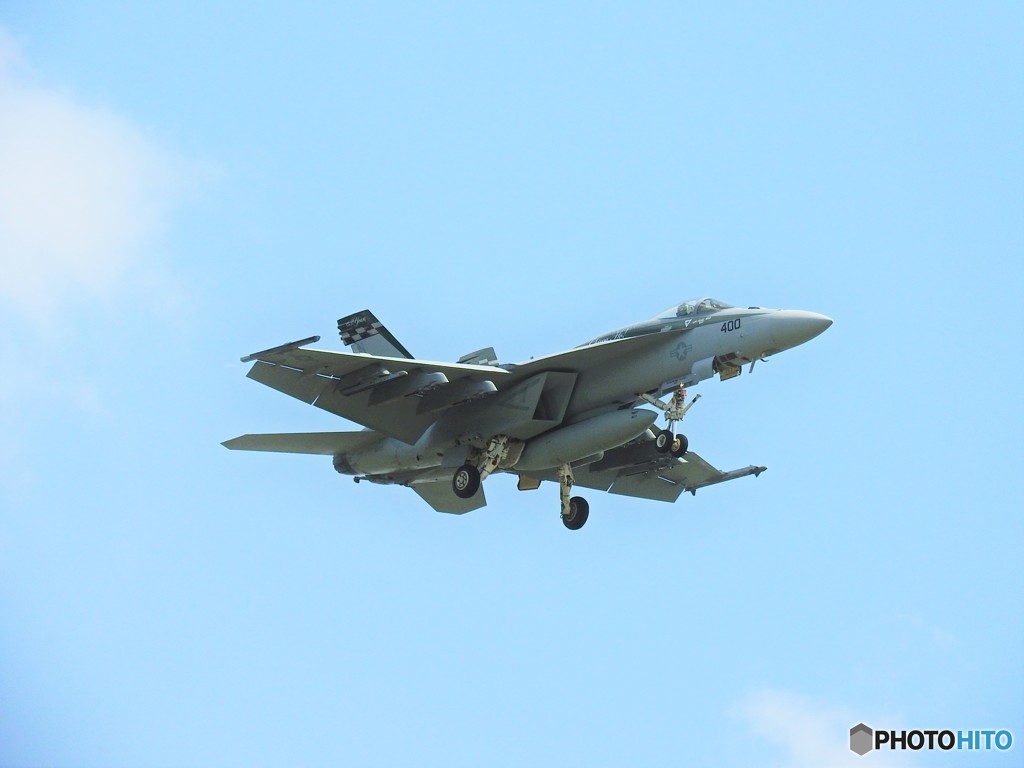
(681, 351)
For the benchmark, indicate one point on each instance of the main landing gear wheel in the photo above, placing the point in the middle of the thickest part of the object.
(579, 511)
(466, 481)
(662, 441)
(680, 445)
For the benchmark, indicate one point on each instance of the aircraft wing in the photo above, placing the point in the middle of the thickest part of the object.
(401, 397)
(398, 396)
(638, 469)
(689, 473)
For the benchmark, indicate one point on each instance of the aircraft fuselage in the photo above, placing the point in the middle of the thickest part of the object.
(677, 352)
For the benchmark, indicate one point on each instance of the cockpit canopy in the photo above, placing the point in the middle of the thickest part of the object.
(691, 308)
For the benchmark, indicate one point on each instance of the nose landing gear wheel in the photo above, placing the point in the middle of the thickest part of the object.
(579, 511)
(680, 445)
(466, 481)
(662, 441)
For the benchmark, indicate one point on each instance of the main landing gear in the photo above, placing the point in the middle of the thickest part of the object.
(579, 511)
(466, 482)
(467, 478)
(575, 510)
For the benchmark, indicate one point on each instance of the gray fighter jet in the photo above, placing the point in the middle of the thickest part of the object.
(572, 418)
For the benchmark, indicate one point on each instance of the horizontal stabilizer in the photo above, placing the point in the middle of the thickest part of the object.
(316, 443)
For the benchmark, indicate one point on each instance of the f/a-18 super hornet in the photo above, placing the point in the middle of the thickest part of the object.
(572, 418)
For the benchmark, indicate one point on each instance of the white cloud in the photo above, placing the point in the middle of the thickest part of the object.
(83, 192)
(85, 196)
(808, 733)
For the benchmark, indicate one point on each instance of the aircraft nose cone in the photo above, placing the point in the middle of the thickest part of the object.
(795, 326)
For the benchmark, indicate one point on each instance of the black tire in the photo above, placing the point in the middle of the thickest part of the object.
(680, 446)
(466, 481)
(579, 511)
(662, 441)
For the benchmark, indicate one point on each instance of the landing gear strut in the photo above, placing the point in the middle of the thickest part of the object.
(575, 510)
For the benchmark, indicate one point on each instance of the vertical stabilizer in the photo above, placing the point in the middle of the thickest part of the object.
(365, 333)
(484, 356)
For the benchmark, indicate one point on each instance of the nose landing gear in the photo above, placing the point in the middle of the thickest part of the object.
(668, 441)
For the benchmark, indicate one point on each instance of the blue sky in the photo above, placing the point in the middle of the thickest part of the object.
(182, 186)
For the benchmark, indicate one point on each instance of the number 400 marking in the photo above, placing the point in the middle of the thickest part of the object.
(731, 325)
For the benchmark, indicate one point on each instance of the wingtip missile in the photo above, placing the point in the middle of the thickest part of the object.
(282, 348)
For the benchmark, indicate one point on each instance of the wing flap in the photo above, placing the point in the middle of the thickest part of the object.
(649, 485)
(299, 384)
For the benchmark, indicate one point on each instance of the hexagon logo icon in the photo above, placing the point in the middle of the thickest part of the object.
(861, 739)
